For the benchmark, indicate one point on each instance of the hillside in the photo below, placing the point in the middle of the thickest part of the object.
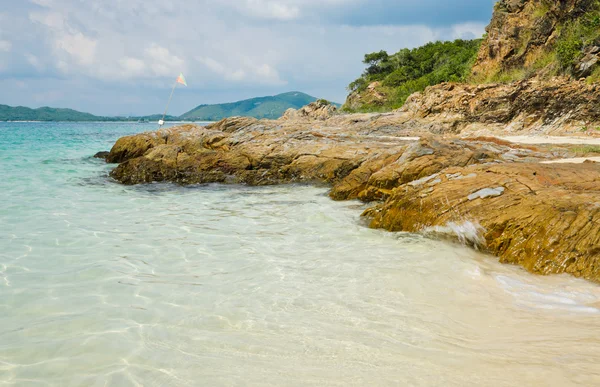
(541, 38)
(390, 79)
(20, 113)
(525, 39)
(262, 107)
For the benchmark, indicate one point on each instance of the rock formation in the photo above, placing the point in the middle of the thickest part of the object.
(555, 106)
(541, 217)
(545, 218)
(522, 32)
(372, 97)
(319, 109)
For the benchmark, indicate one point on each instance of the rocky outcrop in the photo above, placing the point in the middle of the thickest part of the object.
(102, 155)
(245, 150)
(539, 216)
(553, 42)
(523, 32)
(557, 105)
(319, 110)
(544, 218)
(372, 97)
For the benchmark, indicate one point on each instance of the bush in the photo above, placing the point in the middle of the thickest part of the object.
(586, 149)
(568, 48)
(578, 34)
(409, 71)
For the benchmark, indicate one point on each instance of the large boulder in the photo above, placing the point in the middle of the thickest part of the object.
(545, 218)
(318, 110)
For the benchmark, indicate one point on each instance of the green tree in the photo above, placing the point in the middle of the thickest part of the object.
(409, 71)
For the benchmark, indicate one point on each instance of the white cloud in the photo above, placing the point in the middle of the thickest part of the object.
(54, 20)
(268, 73)
(145, 39)
(228, 49)
(244, 71)
(273, 9)
(468, 30)
(162, 62)
(81, 48)
(284, 10)
(34, 61)
(5, 46)
(132, 66)
(42, 3)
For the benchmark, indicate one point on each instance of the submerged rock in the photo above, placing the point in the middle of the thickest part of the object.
(102, 155)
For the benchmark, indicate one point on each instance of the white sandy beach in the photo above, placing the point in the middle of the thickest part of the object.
(532, 140)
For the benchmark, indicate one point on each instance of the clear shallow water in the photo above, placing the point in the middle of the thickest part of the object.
(160, 285)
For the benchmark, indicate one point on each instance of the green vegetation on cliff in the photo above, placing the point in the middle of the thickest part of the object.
(262, 107)
(408, 71)
(540, 38)
(577, 37)
(525, 39)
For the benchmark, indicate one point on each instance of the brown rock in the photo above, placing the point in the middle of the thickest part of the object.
(319, 110)
(372, 96)
(102, 155)
(522, 31)
(552, 106)
(545, 218)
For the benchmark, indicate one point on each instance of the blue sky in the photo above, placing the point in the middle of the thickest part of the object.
(121, 56)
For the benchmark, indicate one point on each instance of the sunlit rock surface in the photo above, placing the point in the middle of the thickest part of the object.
(542, 217)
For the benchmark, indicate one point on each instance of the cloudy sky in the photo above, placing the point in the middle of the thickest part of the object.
(121, 56)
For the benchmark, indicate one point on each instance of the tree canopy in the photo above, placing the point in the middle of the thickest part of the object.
(409, 71)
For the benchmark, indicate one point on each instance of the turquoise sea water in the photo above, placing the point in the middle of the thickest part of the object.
(161, 285)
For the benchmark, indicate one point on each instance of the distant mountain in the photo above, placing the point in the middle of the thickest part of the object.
(20, 113)
(261, 107)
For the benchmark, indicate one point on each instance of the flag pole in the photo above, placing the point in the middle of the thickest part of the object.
(162, 122)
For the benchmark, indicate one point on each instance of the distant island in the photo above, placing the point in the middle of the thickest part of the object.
(21, 113)
(262, 107)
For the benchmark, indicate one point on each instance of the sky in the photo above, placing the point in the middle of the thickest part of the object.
(121, 57)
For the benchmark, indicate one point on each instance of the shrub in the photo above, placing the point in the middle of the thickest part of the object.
(585, 149)
(409, 71)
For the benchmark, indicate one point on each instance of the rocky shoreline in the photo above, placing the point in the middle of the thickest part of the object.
(540, 216)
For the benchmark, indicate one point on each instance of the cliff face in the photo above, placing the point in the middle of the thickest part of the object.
(540, 36)
(525, 39)
(557, 105)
